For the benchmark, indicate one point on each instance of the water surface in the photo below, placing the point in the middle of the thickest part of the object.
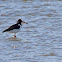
(38, 41)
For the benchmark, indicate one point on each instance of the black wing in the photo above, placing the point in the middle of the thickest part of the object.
(15, 26)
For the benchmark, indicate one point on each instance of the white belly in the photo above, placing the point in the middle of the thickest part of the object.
(14, 31)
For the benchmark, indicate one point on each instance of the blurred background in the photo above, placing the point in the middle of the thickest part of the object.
(38, 41)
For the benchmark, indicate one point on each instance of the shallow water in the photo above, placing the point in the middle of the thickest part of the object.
(38, 41)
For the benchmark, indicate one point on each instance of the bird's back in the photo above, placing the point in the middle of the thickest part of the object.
(15, 26)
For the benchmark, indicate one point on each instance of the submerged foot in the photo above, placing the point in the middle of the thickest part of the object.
(14, 36)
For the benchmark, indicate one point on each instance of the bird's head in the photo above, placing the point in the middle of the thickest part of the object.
(20, 22)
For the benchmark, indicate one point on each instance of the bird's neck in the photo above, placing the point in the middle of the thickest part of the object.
(19, 24)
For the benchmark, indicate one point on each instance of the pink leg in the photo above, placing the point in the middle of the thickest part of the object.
(15, 35)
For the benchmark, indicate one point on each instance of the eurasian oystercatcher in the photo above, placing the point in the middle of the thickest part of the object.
(15, 28)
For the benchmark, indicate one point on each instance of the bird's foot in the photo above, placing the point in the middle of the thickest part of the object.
(14, 36)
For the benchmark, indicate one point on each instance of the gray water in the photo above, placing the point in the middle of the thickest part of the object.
(38, 41)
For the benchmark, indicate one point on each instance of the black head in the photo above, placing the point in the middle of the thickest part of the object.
(20, 21)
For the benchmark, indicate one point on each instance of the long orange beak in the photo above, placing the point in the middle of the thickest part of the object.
(24, 22)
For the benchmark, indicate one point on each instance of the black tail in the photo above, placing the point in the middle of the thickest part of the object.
(4, 30)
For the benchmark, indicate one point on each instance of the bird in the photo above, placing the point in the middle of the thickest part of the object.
(15, 28)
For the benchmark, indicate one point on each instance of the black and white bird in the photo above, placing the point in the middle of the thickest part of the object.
(15, 28)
